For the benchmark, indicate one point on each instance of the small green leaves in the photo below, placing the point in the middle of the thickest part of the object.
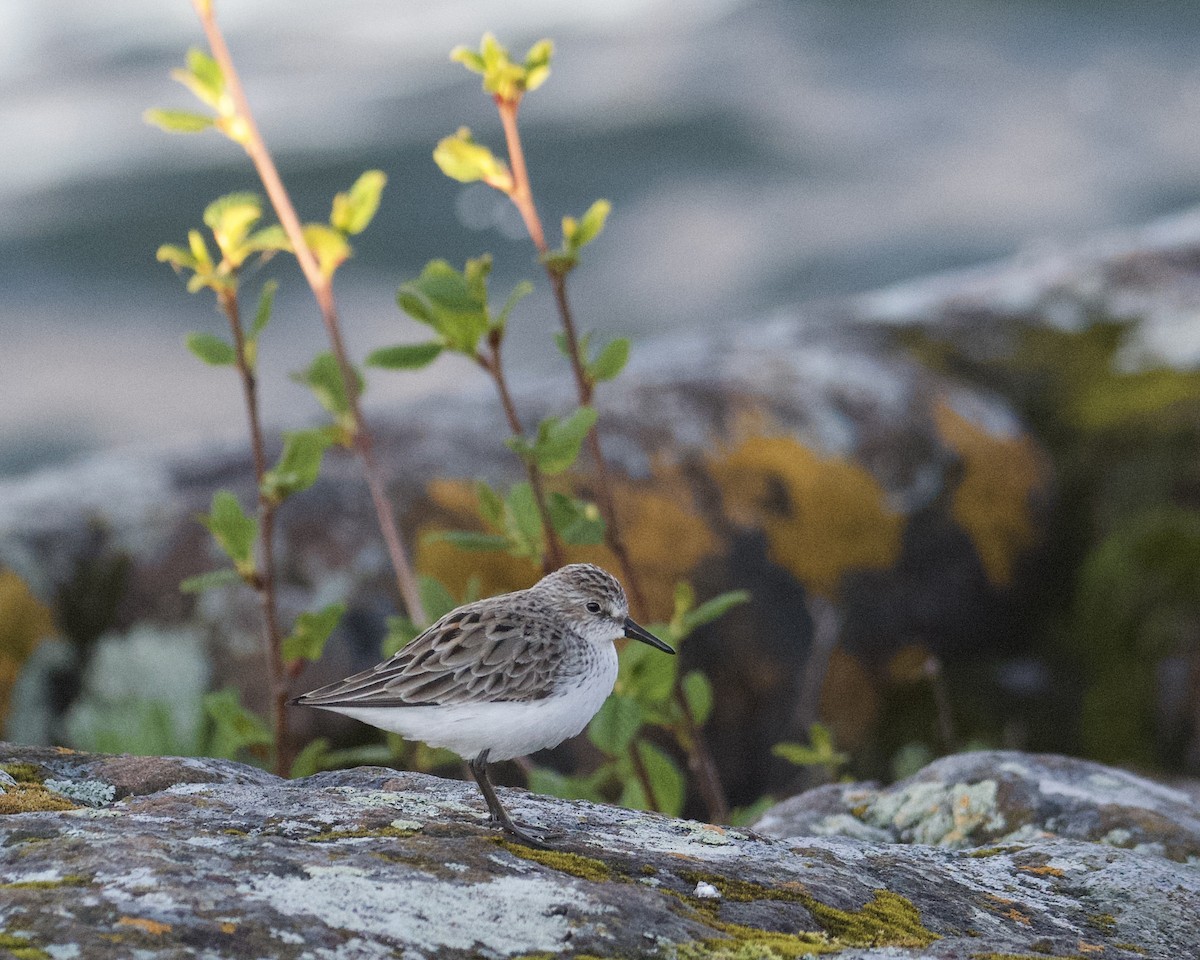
(666, 779)
(234, 532)
(407, 356)
(178, 121)
(212, 350)
(262, 316)
(502, 78)
(311, 759)
(818, 752)
(230, 218)
(460, 158)
(435, 598)
(324, 378)
(232, 727)
(454, 303)
(470, 540)
(211, 580)
(577, 522)
(557, 445)
(698, 694)
(203, 77)
(299, 465)
(311, 631)
(712, 610)
(577, 234)
(330, 247)
(610, 361)
(354, 210)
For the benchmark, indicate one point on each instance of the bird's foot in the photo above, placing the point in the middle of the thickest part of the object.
(537, 841)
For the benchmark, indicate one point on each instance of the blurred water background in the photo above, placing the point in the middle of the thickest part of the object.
(759, 153)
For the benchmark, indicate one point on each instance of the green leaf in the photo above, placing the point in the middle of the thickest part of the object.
(611, 361)
(435, 598)
(354, 210)
(230, 218)
(311, 631)
(329, 247)
(577, 522)
(176, 256)
(207, 80)
(491, 506)
(646, 675)
(712, 609)
(616, 724)
(523, 522)
(519, 292)
(266, 303)
(212, 350)
(453, 302)
(234, 532)
(324, 378)
(299, 464)
(537, 64)
(469, 540)
(468, 58)
(501, 76)
(744, 816)
(698, 694)
(310, 760)
(268, 240)
(460, 158)
(405, 356)
(558, 442)
(818, 752)
(178, 121)
(588, 227)
(666, 779)
(233, 727)
(210, 580)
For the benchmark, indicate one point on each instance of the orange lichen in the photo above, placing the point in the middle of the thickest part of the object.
(992, 501)
(822, 516)
(149, 926)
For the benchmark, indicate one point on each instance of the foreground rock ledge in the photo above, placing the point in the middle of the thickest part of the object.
(107, 856)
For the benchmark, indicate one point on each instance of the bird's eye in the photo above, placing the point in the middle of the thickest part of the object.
(593, 607)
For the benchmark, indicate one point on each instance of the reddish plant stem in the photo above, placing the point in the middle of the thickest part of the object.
(700, 760)
(322, 289)
(264, 580)
(553, 558)
(522, 197)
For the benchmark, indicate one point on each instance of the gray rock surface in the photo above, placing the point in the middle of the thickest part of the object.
(203, 858)
(998, 797)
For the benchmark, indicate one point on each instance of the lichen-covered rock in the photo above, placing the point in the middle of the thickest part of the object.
(210, 859)
(999, 798)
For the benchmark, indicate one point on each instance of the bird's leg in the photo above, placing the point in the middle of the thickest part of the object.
(478, 768)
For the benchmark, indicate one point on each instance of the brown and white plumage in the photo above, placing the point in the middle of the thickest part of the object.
(501, 677)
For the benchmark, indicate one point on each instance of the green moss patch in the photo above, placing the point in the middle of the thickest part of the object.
(32, 797)
(21, 947)
(330, 836)
(577, 865)
(23, 772)
(70, 880)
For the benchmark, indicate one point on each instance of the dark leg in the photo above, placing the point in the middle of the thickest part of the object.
(478, 768)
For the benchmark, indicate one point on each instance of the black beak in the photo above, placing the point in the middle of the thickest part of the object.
(635, 632)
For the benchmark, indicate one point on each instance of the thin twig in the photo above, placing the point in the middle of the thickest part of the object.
(264, 580)
(322, 289)
(553, 558)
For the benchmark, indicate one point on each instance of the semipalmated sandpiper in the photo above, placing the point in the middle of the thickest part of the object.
(502, 677)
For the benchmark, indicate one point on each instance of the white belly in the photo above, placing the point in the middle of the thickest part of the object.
(505, 729)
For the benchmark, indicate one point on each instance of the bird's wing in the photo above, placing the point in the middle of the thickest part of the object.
(467, 656)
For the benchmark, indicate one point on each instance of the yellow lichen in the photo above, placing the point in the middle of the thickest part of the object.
(992, 500)
(822, 516)
(24, 623)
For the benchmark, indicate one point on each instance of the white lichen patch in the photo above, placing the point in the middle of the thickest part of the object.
(90, 793)
(938, 814)
(846, 825)
(504, 916)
